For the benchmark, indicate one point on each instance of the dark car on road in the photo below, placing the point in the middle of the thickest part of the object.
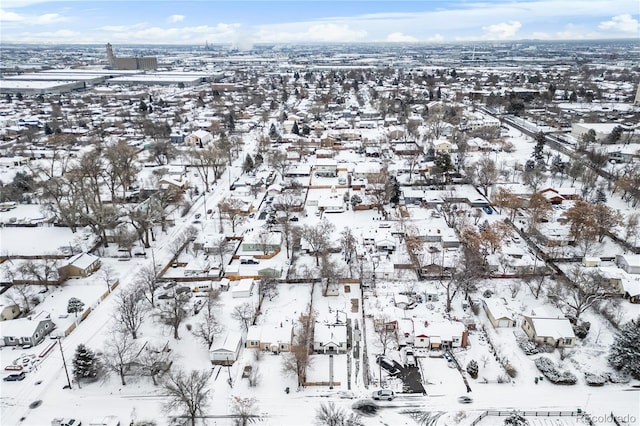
(15, 377)
(387, 364)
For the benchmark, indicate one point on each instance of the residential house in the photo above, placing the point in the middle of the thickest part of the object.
(545, 325)
(80, 265)
(30, 330)
(404, 332)
(440, 335)
(498, 314)
(225, 350)
(629, 262)
(442, 146)
(330, 338)
(270, 338)
(326, 167)
(199, 138)
(623, 284)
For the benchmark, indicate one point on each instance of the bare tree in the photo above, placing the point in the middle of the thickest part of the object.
(245, 314)
(130, 311)
(535, 283)
(348, 243)
(245, 410)
(147, 280)
(277, 160)
(318, 237)
(268, 287)
(188, 393)
(297, 361)
(385, 334)
(154, 360)
(483, 173)
(120, 352)
(208, 328)
(207, 160)
(583, 291)
(24, 296)
(232, 208)
(174, 311)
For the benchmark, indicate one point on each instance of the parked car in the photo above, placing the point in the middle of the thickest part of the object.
(411, 359)
(181, 290)
(294, 219)
(165, 296)
(387, 364)
(387, 394)
(465, 400)
(66, 422)
(15, 377)
(169, 285)
(487, 210)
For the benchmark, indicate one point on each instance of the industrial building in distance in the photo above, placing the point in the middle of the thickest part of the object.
(132, 62)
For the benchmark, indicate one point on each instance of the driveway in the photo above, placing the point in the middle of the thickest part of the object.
(411, 379)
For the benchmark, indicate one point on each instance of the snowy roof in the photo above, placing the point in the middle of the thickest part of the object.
(228, 343)
(325, 333)
(552, 327)
(82, 260)
(445, 330)
(22, 327)
(243, 285)
(498, 310)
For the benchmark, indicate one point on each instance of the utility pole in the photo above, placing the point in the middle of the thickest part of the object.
(64, 363)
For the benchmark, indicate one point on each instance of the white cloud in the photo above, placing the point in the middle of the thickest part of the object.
(501, 31)
(6, 16)
(398, 37)
(621, 23)
(49, 18)
(175, 18)
(436, 38)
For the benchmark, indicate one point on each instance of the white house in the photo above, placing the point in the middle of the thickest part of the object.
(629, 262)
(498, 314)
(548, 326)
(270, 338)
(327, 167)
(199, 137)
(440, 335)
(330, 338)
(405, 332)
(226, 349)
(242, 288)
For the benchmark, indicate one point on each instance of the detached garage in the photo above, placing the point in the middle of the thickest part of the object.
(498, 314)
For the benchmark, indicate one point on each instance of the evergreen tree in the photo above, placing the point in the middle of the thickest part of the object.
(85, 363)
(601, 196)
(273, 133)
(257, 162)
(47, 129)
(295, 130)
(538, 150)
(247, 166)
(615, 135)
(142, 107)
(472, 369)
(624, 354)
(74, 306)
(516, 419)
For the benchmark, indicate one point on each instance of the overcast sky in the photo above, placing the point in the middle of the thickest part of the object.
(244, 23)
